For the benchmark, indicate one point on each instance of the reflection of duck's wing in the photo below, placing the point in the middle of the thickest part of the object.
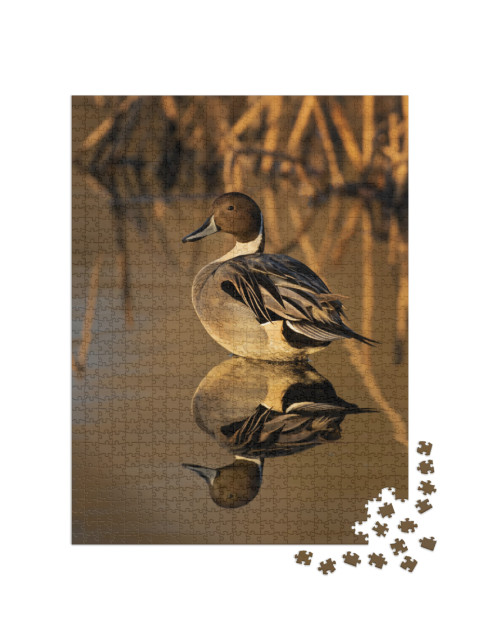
(268, 433)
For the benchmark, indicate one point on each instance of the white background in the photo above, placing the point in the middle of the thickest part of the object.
(51, 50)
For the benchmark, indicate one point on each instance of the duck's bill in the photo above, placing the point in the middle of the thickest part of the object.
(207, 228)
(204, 472)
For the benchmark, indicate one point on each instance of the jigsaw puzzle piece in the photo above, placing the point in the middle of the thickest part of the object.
(428, 543)
(303, 557)
(377, 559)
(427, 487)
(424, 447)
(328, 566)
(426, 466)
(386, 511)
(409, 564)
(398, 546)
(351, 558)
(423, 505)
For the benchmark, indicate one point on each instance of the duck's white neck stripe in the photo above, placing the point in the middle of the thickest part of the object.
(244, 248)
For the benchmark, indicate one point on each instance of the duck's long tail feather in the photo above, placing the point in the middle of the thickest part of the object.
(327, 333)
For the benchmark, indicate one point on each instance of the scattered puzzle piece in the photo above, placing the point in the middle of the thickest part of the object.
(426, 466)
(386, 511)
(423, 505)
(407, 525)
(398, 546)
(351, 558)
(426, 487)
(304, 557)
(409, 564)
(425, 447)
(377, 559)
(327, 567)
(380, 529)
(428, 543)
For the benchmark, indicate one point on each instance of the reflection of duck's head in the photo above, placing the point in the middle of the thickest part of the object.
(234, 485)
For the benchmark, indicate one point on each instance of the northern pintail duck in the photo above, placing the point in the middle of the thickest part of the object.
(258, 410)
(257, 305)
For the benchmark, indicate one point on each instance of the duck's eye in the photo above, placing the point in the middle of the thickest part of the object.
(231, 208)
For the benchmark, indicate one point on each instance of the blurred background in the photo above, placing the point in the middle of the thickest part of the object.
(331, 177)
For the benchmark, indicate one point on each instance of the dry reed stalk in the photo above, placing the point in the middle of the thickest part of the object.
(92, 295)
(365, 370)
(336, 177)
(104, 127)
(393, 148)
(347, 231)
(237, 175)
(124, 277)
(248, 117)
(325, 246)
(159, 209)
(228, 161)
(346, 134)
(303, 237)
(308, 188)
(95, 186)
(368, 297)
(187, 117)
(368, 132)
(272, 223)
(393, 239)
(297, 132)
(170, 107)
(275, 106)
(405, 121)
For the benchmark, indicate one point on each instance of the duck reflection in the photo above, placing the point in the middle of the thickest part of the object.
(258, 410)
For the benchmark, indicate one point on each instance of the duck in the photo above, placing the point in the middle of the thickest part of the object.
(258, 305)
(257, 410)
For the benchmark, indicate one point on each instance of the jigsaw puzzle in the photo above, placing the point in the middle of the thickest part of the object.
(385, 542)
(220, 394)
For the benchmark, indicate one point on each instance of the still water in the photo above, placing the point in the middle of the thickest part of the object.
(158, 405)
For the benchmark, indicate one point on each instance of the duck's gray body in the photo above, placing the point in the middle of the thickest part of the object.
(253, 304)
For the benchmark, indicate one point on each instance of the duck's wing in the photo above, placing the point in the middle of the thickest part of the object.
(278, 287)
(282, 288)
(268, 433)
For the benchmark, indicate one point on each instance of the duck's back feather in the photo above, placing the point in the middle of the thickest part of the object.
(280, 287)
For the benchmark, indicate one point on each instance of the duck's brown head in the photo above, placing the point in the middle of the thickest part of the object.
(233, 213)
